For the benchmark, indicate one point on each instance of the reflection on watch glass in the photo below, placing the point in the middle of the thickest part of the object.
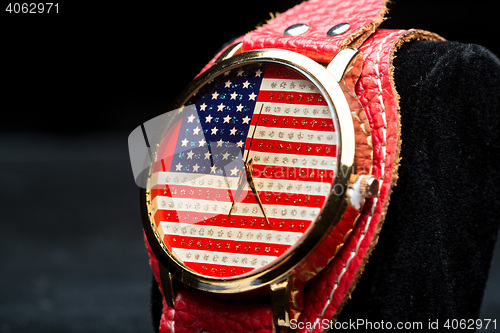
(239, 179)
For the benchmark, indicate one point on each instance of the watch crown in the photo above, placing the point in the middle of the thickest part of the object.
(361, 187)
(369, 186)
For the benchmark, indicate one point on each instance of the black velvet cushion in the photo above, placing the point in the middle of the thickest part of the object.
(436, 245)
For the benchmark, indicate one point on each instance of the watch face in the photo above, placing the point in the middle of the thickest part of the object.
(240, 177)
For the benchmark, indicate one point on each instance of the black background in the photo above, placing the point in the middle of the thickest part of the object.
(110, 66)
(72, 86)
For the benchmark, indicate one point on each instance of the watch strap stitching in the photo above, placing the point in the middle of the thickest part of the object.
(385, 53)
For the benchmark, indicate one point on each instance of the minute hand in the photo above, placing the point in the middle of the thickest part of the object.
(253, 134)
(241, 184)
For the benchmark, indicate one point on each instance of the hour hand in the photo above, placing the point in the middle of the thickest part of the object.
(249, 172)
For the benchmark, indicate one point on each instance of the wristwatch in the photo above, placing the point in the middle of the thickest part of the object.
(269, 181)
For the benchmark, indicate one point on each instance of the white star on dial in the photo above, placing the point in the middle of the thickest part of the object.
(234, 95)
(207, 155)
(190, 155)
(233, 131)
(240, 72)
(227, 119)
(240, 144)
(214, 130)
(208, 119)
(258, 72)
(246, 84)
(239, 108)
(213, 169)
(225, 156)
(219, 143)
(227, 84)
(178, 167)
(201, 142)
(196, 167)
(220, 107)
(191, 118)
(246, 120)
(251, 97)
(184, 143)
(234, 171)
(203, 107)
(196, 130)
(215, 95)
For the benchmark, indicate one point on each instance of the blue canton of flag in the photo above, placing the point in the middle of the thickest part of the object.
(212, 139)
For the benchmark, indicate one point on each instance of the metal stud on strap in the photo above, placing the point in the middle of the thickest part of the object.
(296, 29)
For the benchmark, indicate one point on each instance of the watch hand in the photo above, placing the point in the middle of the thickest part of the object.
(240, 181)
(253, 134)
(249, 172)
(241, 185)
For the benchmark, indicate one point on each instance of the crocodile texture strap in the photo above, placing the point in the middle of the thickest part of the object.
(327, 293)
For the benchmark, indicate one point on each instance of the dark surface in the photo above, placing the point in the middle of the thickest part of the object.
(71, 248)
(72, 86)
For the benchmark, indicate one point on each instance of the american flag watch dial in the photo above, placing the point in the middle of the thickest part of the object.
(239, 180)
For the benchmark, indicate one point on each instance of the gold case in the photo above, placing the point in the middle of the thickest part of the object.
(274, 278)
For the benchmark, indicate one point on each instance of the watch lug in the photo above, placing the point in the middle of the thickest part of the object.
(346, 67)
(280, 301)
(167, 285)
(229, 52)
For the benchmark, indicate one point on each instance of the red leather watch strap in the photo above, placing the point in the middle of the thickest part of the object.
(196, 312)
(327, 293)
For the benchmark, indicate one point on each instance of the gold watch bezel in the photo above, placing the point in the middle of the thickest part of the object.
(334, 206)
